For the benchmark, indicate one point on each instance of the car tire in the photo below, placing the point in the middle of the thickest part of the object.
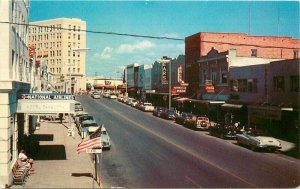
(253, 148)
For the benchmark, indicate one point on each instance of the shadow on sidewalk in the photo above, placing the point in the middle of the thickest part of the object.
(51, 152)
(82, 175)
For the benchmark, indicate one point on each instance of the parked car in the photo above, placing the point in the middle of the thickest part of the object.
(83, 118)
(96, 95)
(83, 129)
(258, 140)
(105, 139)
(112, 96)
(106, 94)
(129, 101)
(147, 107)
(168, 114)
(134, 103)
(158, 110)
(78, 106)
(198, 122)
(224, 131)
(183, 118)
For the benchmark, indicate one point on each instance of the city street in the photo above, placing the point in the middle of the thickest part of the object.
(151, 152)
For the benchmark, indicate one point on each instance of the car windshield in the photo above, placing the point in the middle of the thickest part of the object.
(89, 124)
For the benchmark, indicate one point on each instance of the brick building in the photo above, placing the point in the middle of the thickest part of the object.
(201, 44)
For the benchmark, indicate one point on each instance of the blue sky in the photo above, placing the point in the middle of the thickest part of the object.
(177, 19)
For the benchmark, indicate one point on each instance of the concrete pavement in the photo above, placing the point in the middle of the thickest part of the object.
(56, 164)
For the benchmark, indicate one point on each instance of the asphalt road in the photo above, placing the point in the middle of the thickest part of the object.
(149, 152)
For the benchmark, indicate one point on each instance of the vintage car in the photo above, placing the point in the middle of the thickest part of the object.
(85, 126)
(82, 119)
(147, 107)
(198, 122)
(96, 95)
(168, 114)
(224, 131)
(158, 110)
(105, 139)
(258, 140)
(183, 118)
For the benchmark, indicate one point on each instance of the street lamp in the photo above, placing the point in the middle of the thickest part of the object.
(71, 64)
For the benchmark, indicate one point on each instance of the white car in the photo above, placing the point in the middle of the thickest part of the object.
(105, 139)
(147, 107)
(112, 96)
(258, 140)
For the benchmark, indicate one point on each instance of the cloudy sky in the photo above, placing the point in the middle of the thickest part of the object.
(174, 19)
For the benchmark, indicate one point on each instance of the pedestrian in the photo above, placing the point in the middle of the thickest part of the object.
(25, 160)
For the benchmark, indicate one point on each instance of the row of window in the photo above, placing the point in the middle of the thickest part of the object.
(52, 37)
(279, 84)
(295, 55)
(59, 70)
(50, 28)
(213, 76)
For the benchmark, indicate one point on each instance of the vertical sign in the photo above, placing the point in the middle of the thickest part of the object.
(164, 79)
(179, 72)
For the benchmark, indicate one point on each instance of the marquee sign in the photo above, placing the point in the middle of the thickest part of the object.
(32, 106)
(47, 96)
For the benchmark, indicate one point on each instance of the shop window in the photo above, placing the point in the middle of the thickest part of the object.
(224, 77)
(234, 85)
(278, 83)
(295, 85)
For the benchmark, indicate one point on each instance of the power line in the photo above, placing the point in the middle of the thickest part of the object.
(148, 36)
(98, 32)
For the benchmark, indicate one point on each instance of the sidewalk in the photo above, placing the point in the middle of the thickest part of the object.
(57, 165)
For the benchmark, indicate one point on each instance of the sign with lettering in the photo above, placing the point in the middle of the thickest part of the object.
(164, 78)
(210, 88)
(178, 89)
(32, 106)
(179, 71)
(47, 96)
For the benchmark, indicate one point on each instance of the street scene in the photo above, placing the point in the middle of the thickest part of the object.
(149, 94)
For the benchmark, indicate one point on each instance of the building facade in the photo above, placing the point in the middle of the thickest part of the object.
(59, 45)
(16, 74)
(202, 43)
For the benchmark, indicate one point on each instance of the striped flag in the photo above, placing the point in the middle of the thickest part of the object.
(91, 142)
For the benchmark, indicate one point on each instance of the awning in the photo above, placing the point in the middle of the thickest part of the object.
(208, 101)
(237, 106)
(182, 99)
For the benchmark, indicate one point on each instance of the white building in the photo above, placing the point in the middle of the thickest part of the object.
(15, 78)
(60, 44)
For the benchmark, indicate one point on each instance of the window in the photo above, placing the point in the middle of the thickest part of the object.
(252, 85)
(296, 54)
(78, 54)
(78, 37)
(203, 77)
(213, 76)
(78, 70)
(73, 70)
(69, 53)
(254, 52)
(295, 85)
(11, 141)
(278, 83)
(73, 54)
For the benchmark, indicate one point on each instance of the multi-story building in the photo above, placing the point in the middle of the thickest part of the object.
(60, 45)
(271, 93)
(200, 44)
(144, 80)
(132, 79)
(15, 78)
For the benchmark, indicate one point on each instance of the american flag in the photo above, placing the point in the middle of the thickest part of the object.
(91, 142)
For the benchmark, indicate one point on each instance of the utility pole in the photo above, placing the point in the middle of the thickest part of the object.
(170, 85)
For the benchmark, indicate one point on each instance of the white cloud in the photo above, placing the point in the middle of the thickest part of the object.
(171, 35)
(139, 46)
(106, 53)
